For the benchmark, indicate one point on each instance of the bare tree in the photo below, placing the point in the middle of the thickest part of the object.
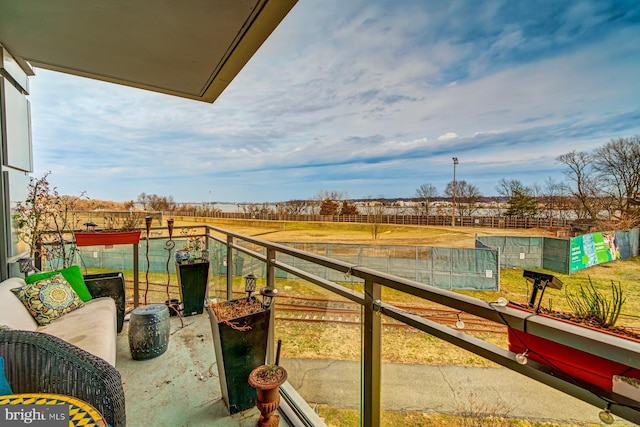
(256, 210)
(425, 193)
(294, 207)
(467, 197)
(143, 200)
(554, 199)
(156, 203)
(508, 187)
(375, 210)
(582, 183)
(617, 164)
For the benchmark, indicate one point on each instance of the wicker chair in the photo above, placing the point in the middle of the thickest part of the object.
(40, 363)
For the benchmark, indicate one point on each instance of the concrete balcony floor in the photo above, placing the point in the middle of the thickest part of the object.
(179, 387)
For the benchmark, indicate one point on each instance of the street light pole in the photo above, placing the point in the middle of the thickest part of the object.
(453, 211)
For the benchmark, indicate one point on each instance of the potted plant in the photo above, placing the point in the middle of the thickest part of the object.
(119, 230)
(590, 309)
(43, 221)
(192, 265)
(267, 379)
(240, 331)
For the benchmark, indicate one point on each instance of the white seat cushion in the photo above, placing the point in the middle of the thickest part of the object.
(87, 328)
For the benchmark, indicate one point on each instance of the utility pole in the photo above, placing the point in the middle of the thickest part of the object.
(453, 211)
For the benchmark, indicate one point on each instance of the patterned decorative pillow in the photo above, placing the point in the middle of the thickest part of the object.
(49, 298)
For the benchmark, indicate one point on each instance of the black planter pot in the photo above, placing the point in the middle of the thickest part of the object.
(108, 285)
(193, 280)
(174, 308)
(237, 354)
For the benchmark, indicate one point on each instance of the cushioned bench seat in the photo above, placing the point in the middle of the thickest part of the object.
(92, 327)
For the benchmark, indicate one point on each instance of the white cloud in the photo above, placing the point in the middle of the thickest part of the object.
(448, 136)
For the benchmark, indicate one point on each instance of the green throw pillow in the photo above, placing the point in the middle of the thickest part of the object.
(47, 299)
(73, 275)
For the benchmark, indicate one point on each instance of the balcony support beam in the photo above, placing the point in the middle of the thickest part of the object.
(271, 282)
(136, 276)
(372, 355)
(229, 267)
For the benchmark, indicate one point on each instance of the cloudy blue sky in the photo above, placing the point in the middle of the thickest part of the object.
(371, 98)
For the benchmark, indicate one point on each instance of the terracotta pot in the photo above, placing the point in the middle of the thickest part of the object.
(578, 364)
(102, 238)
(267, 384)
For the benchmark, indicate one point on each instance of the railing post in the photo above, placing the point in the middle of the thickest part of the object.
(136, 278)
(271, 284)
(229, 267)
(372, 356)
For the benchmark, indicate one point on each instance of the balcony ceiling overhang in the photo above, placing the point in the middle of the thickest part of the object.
(192, 49)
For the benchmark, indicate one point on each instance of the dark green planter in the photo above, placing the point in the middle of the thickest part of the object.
(237, 354)
(193, 279)
(108, 285)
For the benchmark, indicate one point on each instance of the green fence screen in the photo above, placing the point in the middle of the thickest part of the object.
(447, 268)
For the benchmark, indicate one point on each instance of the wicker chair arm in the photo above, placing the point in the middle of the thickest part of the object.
(41, 363)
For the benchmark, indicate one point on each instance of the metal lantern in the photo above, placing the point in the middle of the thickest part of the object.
(250, 284)
(267, 296)
(26, 265)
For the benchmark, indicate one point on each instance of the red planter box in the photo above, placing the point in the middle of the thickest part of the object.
(576, 363)
(107, 238)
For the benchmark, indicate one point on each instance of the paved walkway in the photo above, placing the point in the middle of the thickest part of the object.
(443, 389)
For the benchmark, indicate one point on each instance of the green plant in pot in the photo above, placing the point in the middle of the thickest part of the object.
(240, 329)
(590, 308)
(43, 222)
(118, 230)
(267, 379)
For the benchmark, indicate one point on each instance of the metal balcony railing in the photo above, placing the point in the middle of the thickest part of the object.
(371, 301)
(373, 305)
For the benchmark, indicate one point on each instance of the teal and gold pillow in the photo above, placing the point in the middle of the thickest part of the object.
(47, 299)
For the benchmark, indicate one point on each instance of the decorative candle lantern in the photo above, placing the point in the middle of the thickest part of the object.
(267, 296)
(250, 284)
(26, 265)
